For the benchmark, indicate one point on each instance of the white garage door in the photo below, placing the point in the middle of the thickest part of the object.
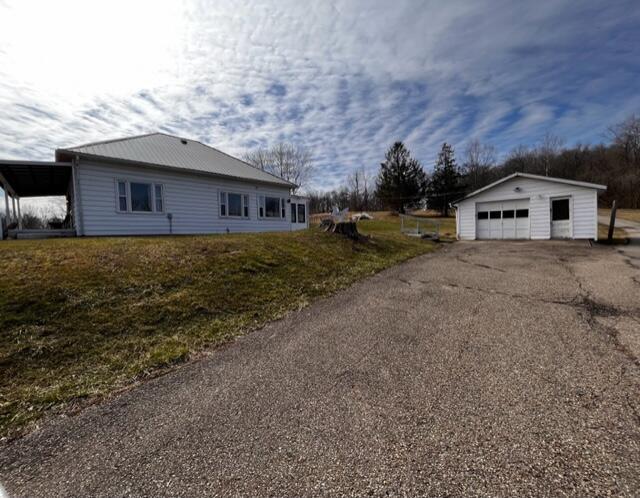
(503, 220)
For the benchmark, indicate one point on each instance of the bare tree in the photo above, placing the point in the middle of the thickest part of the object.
(260, 158)
(626, 135)
(358, 184)
(549, 148)
(479, 158)
(288, 161)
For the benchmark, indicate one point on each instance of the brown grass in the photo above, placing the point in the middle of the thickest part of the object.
(80, 318)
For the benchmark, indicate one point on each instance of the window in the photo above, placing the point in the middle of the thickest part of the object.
(123, 203)
(232, 204)
(293, 213)
(140, 196)
(494, 215)
(302, 213)
(560, 209)
(159, 198)
(483, 215)
(272, 207)
(508, 214)
(223, 204)
(235, 204)
(522, 213)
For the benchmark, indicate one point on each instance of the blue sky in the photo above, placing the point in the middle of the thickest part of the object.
(345, 79)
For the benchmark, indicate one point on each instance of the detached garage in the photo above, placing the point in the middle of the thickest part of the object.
(524, 206)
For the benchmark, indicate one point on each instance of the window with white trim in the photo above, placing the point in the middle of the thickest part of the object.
(123, 202)
(158, 194)
(139, 197)
(271, 207)
(234, 205)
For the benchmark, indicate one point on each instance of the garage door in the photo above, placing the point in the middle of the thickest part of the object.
(503, 220)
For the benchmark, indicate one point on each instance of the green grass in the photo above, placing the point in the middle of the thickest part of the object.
(80, 318)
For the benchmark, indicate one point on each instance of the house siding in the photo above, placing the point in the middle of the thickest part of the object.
(584, 204)
(192, 199)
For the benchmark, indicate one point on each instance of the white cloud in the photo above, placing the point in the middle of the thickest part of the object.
(345, 78)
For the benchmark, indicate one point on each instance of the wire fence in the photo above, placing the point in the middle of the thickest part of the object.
(418, 226)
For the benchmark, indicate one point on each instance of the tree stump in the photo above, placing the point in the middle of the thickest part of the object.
(348, 229)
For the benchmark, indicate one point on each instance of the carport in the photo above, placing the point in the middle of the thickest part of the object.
(27, 179)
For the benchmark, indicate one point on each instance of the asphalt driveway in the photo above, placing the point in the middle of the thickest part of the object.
(483, 369)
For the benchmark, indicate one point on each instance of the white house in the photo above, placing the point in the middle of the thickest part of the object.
(524, 206)
(154, 184)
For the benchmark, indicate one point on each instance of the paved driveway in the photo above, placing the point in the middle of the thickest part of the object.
(484, 369)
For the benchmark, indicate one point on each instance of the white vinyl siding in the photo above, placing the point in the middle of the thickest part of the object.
(191, 199)
(539, 194)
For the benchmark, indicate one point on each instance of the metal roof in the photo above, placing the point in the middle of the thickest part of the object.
(533, 177)
(36, 178)
(160, 149)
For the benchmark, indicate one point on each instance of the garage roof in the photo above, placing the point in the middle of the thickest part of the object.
(533, 177)
(160, 149)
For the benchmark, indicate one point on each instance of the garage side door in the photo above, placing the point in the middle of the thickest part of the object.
(503, 220)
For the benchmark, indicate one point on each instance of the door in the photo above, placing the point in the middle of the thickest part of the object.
(561, 218)
(503, 220)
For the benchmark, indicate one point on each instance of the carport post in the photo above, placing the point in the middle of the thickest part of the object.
(6, 202)
(19, 216)
(13, 202)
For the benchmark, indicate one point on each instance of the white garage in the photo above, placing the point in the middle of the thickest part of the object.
(525, 206)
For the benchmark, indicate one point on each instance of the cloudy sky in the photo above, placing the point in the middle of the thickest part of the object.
(344, 78)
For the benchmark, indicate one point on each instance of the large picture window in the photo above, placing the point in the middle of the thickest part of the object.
(139, 197)
(271, 207)
(234, 205)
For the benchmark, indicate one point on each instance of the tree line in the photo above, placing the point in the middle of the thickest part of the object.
(402, 183)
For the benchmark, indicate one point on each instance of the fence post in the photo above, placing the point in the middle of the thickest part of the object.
(612, 221)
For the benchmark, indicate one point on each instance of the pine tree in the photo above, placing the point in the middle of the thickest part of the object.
(444, 186)
(401, 182)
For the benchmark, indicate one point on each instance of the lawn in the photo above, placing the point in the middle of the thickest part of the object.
(80, 318)
(622, 214)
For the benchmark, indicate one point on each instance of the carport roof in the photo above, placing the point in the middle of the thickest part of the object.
(35, 178)
(533, 177)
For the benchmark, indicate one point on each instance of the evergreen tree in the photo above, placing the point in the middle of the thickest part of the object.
(444, 186)
(401, 182)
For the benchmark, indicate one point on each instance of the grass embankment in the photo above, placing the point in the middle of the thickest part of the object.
(82, 317)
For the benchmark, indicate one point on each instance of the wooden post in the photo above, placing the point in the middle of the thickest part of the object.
(6, 203)
(19, 216)
(612, 221)
(13, 203)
